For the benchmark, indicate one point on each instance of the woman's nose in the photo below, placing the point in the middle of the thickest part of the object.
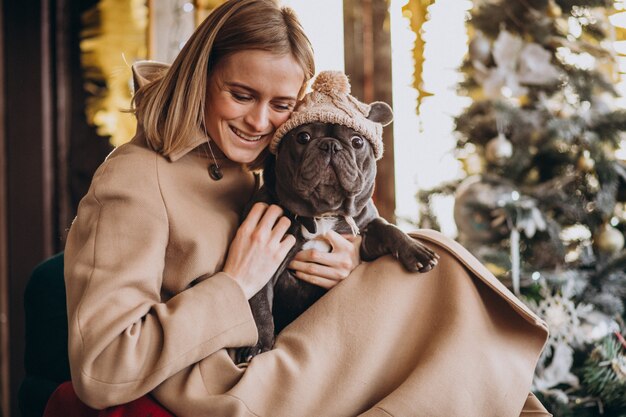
(258, 118)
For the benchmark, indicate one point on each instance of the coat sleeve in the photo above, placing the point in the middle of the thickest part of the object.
(123, 340)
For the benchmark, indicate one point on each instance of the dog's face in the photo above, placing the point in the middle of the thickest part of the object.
(324, 168)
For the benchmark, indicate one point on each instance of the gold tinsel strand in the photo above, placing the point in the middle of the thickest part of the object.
(417, 13)
(113, 37)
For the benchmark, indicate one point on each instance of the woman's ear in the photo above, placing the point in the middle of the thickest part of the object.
(380, 112)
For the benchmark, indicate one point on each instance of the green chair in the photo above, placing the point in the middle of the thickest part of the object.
(45, 357)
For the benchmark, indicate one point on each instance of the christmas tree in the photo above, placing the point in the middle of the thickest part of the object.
(543, 204)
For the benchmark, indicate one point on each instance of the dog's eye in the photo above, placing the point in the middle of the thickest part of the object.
(357, 142)
(303, 138)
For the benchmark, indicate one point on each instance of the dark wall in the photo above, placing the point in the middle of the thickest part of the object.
(29, 158)
(50, 151)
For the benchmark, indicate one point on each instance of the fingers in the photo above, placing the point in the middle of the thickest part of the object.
(259, 247)
(326, 269)
(266, 221)
(254, 216)
(316, 280)
(270, 217)
(273, 221)
(340, 242)
(286, 244)
(330, 259)
(321, 271)
(280, 228)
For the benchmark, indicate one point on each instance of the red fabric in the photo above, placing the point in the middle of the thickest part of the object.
(65, 403)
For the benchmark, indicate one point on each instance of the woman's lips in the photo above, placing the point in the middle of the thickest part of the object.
(245, 136)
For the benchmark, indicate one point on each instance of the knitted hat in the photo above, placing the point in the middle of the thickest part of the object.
(331, 102)
(144, 72)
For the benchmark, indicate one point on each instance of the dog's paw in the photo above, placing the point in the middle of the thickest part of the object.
(245, 354)
(416, 257)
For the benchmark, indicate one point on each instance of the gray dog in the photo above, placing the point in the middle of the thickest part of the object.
(323, 176)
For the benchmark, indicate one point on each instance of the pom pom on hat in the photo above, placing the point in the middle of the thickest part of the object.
(331, 83)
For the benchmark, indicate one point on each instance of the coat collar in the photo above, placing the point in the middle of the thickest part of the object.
(199, 138)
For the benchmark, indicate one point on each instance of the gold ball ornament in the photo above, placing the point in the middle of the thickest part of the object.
(585, 162)
(498, 150)
(609, 239)
(533, 176)
(472, 164)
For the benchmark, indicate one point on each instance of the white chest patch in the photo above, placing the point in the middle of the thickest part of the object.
(316, 240)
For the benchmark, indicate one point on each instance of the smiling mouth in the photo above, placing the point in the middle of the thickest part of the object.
(246, 137)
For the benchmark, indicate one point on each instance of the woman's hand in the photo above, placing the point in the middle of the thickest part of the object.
(327, 269)
(258, 248)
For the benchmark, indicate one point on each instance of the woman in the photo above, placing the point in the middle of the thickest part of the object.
(158, 270)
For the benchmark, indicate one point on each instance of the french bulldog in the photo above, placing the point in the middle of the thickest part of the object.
(323, 177)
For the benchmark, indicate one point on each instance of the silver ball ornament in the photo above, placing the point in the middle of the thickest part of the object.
(480, 49)
(474, 203)
(498, 150)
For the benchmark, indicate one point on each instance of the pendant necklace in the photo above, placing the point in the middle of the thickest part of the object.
(215, 172)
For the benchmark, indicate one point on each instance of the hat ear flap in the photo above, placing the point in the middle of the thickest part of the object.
(380, 112)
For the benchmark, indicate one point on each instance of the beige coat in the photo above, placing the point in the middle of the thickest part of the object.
(150, 311)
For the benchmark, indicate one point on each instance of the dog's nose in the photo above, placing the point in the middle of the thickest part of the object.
(330, 145)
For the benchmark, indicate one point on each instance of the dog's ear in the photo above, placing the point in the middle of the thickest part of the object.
(380, 112)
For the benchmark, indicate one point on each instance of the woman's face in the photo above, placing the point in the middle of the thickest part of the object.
(250, 94)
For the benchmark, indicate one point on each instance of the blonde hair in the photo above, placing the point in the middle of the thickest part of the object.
(171, 109)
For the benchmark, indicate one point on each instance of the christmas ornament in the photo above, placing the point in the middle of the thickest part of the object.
(593, 185)
(597, 325)
(585, 162)
(604, 372)
(472, 164)
(522, 215)
(518, 63)
(535, 67)
(474, 203)
(498, 150)
(609, 239)
(533, 175)
(480, 49)
(558, 372)
(563, 316)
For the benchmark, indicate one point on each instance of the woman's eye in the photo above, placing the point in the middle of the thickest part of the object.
(282, 107)
(303, 138)
(241, 97)
(357, 142)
